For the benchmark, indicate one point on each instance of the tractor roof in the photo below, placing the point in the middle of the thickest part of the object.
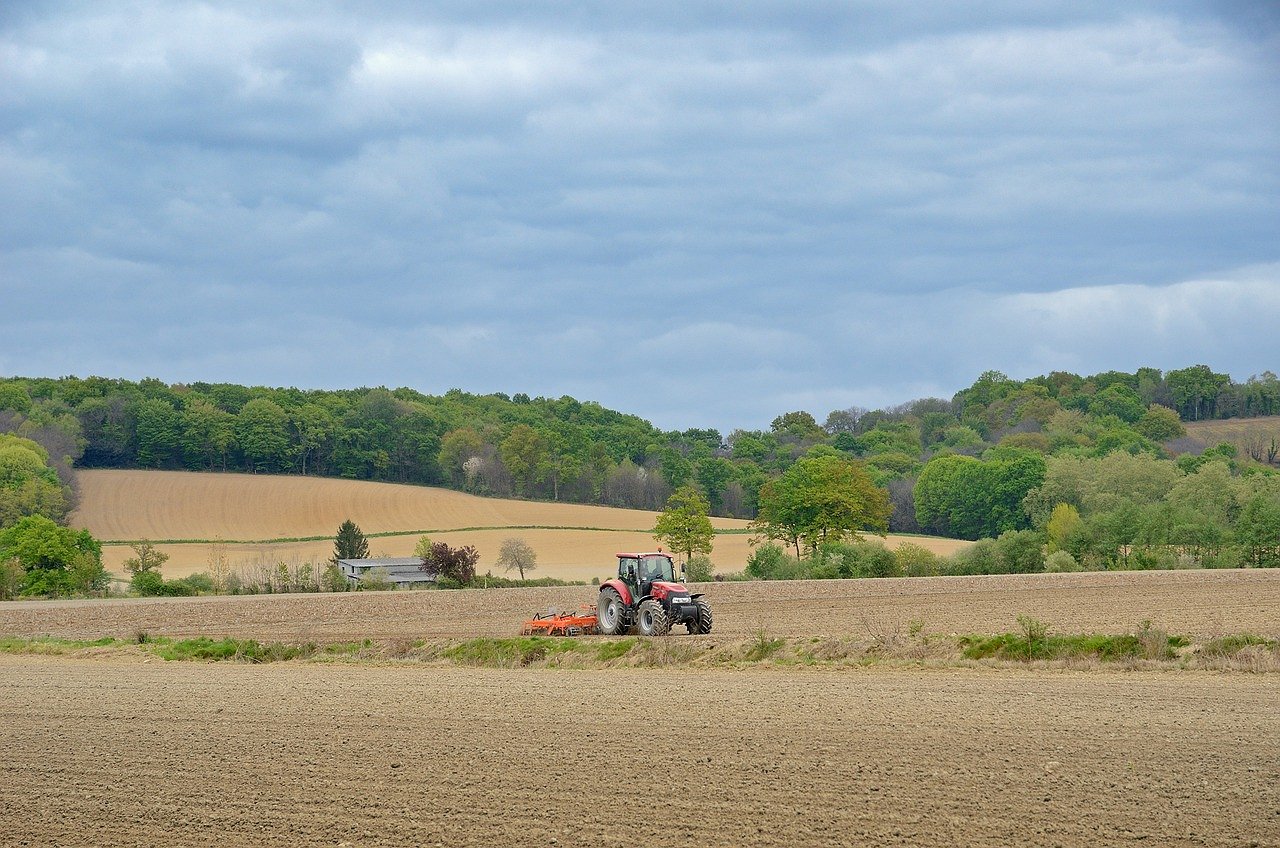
(646, 554)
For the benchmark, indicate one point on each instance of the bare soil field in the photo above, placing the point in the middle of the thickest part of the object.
(1188, 603)
(241, 508)
(111, 752)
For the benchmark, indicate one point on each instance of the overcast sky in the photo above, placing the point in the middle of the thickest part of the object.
(706, 214)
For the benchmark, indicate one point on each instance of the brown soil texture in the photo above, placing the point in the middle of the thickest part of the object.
(122, 752)
(1188, 603)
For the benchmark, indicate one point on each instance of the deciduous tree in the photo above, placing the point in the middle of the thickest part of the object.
(516, 554)
(823, 497)
(683, 525)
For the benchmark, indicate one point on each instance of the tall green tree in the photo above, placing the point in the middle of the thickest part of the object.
(350, 543)
(1258, 530)
(683, 525)
(313, 428)
(262, 431)
(28, 484)
(822, 498)
(524, 452)
(158, 429)
(963, 497)
(47, 553)
(207, 434)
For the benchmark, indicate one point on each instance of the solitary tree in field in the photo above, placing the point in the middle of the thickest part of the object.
(145, 560)
(145, 568)
(350, 543)
(684, 526)
(517, 554)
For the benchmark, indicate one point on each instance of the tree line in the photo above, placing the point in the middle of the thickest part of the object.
(965, 467)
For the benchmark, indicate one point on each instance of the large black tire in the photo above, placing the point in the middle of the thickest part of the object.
(611, 619)
(651, 619)
(701, 624)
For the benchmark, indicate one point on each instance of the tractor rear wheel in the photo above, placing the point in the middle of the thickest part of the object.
(651, 619)
(610, 617)
(701, 624)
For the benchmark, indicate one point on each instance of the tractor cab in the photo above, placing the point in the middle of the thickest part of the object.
(641, 571)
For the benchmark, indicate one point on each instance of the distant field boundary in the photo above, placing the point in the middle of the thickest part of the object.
(731, 531)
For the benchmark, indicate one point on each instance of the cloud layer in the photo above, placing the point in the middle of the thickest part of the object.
(704, 219)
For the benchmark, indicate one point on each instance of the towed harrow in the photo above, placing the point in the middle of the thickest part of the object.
(562, 624)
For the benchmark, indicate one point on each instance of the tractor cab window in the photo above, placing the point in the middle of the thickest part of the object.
(627, 569)
(656, 568)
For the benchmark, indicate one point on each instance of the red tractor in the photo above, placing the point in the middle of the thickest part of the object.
(646, 594)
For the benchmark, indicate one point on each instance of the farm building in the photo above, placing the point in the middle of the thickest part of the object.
(401, 572)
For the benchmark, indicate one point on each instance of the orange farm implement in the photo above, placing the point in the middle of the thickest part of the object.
(562, 624)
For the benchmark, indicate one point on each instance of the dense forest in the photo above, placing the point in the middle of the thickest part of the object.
(565, 449)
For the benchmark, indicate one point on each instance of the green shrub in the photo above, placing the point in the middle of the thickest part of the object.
(1035, 642)
(770, 562)
(199, 583)
(147, 584)
(916, 561)
(981, 557)
(1158, 558)
(1229, 557)
(376, 580)
(1060, 561)
(1020, 552)
(333, 580)
(699, 569)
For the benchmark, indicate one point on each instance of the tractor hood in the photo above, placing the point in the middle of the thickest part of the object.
(661, 589)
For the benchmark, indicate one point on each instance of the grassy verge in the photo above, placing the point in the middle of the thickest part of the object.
(1143, 649)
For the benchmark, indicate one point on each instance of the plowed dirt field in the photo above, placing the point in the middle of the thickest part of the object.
(117, 752)
(1189, 603)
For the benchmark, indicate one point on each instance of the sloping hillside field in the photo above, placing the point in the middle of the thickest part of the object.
(250, 513)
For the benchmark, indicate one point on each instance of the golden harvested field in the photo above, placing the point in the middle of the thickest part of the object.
(118, 752)
(1189, 603)
(239, 508)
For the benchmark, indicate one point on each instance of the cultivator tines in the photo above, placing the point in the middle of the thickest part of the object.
(553, 623)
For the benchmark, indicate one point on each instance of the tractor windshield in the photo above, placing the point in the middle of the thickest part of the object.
(656, 568)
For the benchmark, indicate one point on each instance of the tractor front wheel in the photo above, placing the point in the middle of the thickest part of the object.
(701, 624)
(610, 618)
(651, 619)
